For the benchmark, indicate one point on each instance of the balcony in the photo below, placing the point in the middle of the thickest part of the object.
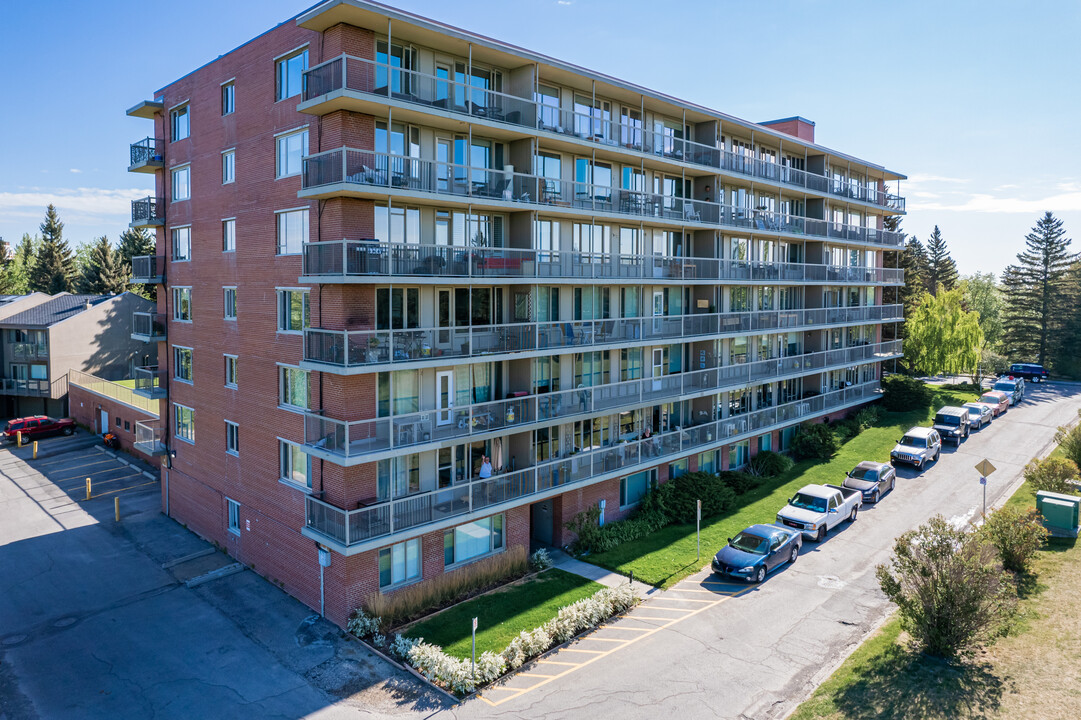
(25, 387)
(337, 261)
(347, 171)
(149, 439)
(30, 350)
(147, 213)
(353, 443)
(354, 83)
(355, 351)
(151, 382)
(147, 270)
(147, 156)
(148, 327)
(355, 528)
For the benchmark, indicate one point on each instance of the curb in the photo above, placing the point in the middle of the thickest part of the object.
(409, 669)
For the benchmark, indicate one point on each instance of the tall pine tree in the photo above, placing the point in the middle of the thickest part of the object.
(1068, 356)
(914, 263)
(54, 268)
(941, 269)
(133, 243)
(16, 276)
(102, 273)
(1034, 290)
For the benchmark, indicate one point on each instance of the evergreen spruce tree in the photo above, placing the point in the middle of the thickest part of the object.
(133, 243)
(54, 268)
(1068, 358)
(16, 275)
(941, 269)
(102, 274)
(1035, 292)
(914, 263)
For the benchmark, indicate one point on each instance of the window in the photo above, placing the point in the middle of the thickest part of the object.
(472, 540)
(184, 422)
(229, 302)
(399, 308)
(707, 462)
(738, 454)
(293, 388)
(228, 167)
(230, 371)
(181, 183)
(292, 147)
(39, 372)
(677, 469)
(295, 464)
(182, 304)
(228, 98)
(182, 364)
(228, 235)
(234, 516)
(180, 122)
(232, 438)
(292, 231)
(399, 563)
(118, 421)
(293, 311)
(634, 487)
(291, 74)
(181, 244)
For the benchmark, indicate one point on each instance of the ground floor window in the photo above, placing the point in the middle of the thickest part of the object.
(399, 563)
(738, 454)
(677, 468)
(472, 540)
(234, 516)
(765, 442)
(634, 487)
(788, 435)
(707, 462)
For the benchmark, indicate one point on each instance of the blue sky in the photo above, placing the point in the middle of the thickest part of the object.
(979, 103)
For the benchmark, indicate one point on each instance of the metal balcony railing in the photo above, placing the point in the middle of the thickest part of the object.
(148, 327)
(341, 259)
(441, 94)
(151, 382)
(30, 350)
(147, 154)
(353, 527)
(346, 441)
(147, 212)
(363, 348)
(149, 438)
(148, 269)
(365, 168)
(25, 387)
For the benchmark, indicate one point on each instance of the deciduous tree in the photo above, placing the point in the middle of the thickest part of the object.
(942, 337)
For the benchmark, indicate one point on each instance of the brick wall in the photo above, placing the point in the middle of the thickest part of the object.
(85, 408)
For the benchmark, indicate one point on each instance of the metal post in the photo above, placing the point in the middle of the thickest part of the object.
(19, 438)
(699, 529)
(35, 449)
(983, 481)
(474, 649)
(88, 488)
(322, 594)
(116, 507)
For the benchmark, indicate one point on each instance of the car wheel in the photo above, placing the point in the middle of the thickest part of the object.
(795, 554)
(852, 517)
(937, 453)
(821, 534)
(918, 465)
(893, 483)
(69, 430)
(760, 575)
(874, 498)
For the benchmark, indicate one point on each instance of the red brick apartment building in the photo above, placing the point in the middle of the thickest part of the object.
(388, 247)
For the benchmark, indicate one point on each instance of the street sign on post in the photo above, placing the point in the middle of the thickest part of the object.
(474, 648)
(984, 468)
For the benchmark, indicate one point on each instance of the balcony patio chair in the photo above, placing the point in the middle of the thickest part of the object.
(689, 213)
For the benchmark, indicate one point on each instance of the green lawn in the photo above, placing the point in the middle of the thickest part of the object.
(130, 384)
(504, 613)
(669, 555)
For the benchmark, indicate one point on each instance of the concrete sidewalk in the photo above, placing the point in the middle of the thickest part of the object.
(565, 562)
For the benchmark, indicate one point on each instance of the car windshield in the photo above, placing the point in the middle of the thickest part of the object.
(862, 473)
(808, 502)
(993, 399)
(974, 409)
(1004, 386)
(947, 420)
(913, 441)
(750, 543)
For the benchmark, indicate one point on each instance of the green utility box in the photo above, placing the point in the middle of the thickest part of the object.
(1061, 513)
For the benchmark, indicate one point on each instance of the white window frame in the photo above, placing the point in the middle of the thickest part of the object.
(173, 234)
(283, 246)
(186, 169)
(174, 113)
(232, 438)
(405, 546)
(283, 371)
(232, 516)
(228, 234)
(225, 294)
(281, 141)
(231, 383)
(177, 291)
(177, 408)
(177, 350)
(491, 550)
(231, 85)
(280, 295)
(228, 166)
(278, 91)
(286, 448)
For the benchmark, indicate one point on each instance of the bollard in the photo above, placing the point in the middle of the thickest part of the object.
(35, 449)
(116, 507)
(88, 488)
(19, 438)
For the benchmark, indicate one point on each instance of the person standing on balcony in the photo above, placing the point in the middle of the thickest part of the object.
(485, 467)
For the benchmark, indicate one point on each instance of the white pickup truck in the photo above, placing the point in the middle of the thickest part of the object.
(817, 509)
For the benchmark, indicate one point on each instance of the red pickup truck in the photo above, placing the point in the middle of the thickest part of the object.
(38, 426)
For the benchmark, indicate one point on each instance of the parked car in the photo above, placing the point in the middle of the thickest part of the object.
(755, 551)
(1014, 387)
(872, 479)
(38, 426)
(952, 424)
(1029, 371)
(918, 447)
(817, 509)
(998, 401)
(979, 414)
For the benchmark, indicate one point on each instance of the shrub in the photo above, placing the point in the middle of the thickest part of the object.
(1069, 439)
(362, 624)
(846, 429)
(963, 386)
(592, 538)
(951, 591)
(1053, 474)
(766, 464)
(415, 600)
(540, 560)
(1017, 534)
(901, 392)
(869, 416)
(679, 496)
(815, 441)
(741, 481)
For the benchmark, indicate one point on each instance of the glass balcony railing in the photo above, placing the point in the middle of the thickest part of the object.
(25, 386)
(348, 441)
(443, 94)
(148, 212)
(151, 382)
(365, 168)
(387, 518)
(148, 269)
(147, 155)
(149, 439)
(341, 259)
(30, 350)
(148, 327)
(347, 349)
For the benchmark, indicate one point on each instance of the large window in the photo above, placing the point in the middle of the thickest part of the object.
(229, 301)
(472, 540)
(230, 371)
(181, 183)
(399, 563)
(397, 224)
(634, 487)
(707, 462)
(228, 235)
(739, 454)
(182, 304)
(292, 231)
(292, 147)
(294, 315)
(398, 308)
(184, 423)
(180, 121)
(234, 516)
(181, 243)
(182, 364)
(232, 438)
(295, 464)
(293, 388)
(291, 74)
(228, 167)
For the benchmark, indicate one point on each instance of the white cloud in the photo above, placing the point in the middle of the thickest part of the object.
(919, 179)
(564, 2)
(988, 203)
(76, 170)
(85, 202)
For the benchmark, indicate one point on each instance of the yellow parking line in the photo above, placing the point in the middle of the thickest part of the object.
(600, 639)
(694, 600)
(526, 674)
(695, 590)
(595, 652)
(558, 662)
(658, 607)
(653, 617)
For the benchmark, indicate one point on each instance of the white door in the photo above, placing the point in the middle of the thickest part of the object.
(444, 397)
(103, 422)
(658, 367)
(658, 311)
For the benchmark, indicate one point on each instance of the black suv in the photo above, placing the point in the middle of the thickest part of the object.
(1028, 371)
(952, 423)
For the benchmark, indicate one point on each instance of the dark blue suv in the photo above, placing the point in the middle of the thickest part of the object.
(1028, 371)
